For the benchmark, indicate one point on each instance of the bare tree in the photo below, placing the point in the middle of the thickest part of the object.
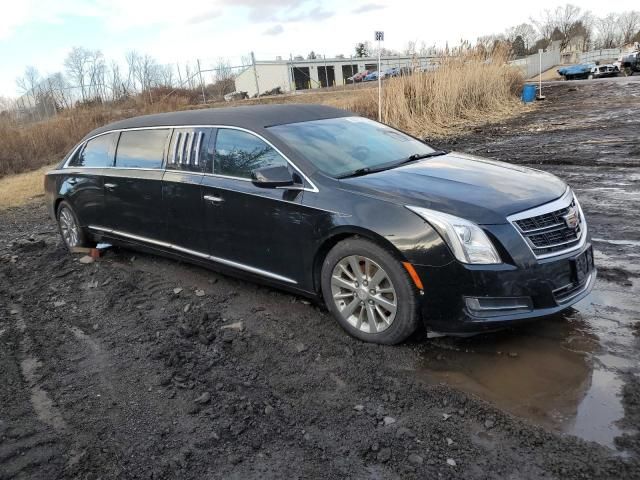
(629, 25)
(488, 43)
(223, 70)
(7, 104)
(560, 24)
(77, 65)
(166, 75)
(410, 48)
(59, 91)
(525, 31)
(29, 82)
(117, 86)
(609, 33)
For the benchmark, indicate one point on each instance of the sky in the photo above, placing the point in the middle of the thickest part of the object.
(41, 33)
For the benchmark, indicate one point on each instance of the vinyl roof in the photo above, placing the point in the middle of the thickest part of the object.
(252, 117)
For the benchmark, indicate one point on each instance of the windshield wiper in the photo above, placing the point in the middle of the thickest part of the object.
(388, 166)
(363, 171)
(420, 156)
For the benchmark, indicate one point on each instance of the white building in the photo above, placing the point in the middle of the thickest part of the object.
(292, 75)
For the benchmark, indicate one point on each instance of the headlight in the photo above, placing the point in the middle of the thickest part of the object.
(467, 241)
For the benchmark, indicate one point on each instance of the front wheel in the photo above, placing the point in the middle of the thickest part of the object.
(369, 292)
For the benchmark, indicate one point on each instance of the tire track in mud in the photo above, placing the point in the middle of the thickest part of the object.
(30, 446)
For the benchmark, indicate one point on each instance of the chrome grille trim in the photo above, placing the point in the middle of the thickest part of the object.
(190, 148)
(564, 202)
(198, 145)
(174, 156)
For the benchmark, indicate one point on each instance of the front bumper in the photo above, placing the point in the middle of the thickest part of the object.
(551, 284)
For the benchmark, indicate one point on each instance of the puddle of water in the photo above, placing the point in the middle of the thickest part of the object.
(633, 243)
(562, 373)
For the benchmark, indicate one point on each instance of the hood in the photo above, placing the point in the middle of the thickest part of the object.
(477, 189)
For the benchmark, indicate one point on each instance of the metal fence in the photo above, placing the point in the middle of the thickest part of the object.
(603, 55)
(530, 66)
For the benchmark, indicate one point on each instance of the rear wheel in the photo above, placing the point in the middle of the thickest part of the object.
(369, 292)
(72, 234)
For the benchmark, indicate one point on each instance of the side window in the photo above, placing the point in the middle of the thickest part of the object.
(96, 153)
(141, 148)
(187, 150)
(237, 153)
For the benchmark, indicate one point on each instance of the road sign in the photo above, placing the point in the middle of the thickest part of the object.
(379, 36)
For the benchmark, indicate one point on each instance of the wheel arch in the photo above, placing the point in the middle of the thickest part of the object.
(56, 205)
(342, 233)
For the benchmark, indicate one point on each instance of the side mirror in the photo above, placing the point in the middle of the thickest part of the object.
(272, 177)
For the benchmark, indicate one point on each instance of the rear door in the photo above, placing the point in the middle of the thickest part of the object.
(83, 184)
(187, 159)
(133, 188)
(260, 230)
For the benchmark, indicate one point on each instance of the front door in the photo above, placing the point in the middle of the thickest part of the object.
(259, 230)
(133, 187)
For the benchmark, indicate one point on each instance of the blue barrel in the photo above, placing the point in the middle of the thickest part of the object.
(528, 93)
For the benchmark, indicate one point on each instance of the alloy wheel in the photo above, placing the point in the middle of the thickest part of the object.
(69, 228)
(364, 294)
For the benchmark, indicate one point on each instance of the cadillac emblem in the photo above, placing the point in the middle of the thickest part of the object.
(571, 218)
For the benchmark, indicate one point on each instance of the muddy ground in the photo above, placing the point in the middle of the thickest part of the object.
(136, 366)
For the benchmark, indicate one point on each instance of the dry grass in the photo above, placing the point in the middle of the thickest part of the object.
(466, 90)
(31, 145)
(19, 189)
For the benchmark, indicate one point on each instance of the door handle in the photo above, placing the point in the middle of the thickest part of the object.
(110, 186)
(213, 199)
(72, 181)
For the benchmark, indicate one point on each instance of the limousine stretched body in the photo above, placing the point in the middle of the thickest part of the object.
(386, 230)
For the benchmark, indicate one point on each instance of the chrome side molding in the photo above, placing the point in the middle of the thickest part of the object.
(170, 246)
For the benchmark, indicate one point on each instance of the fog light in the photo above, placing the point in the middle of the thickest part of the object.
(490, 306)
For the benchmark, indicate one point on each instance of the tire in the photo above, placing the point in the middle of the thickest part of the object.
(65, 216)
(394, 328)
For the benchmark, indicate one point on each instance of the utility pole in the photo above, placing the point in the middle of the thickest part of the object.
(290, 69)
(540, 96)
(379, 38)
(179, 74)
(255, 73)
(204, 98)
(326, 73)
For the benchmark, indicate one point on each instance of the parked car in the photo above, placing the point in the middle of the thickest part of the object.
(392, 72)
(373, 76)
(589, 71)
(388, 231)
(603, 71)
(576, 72)
(358, 77)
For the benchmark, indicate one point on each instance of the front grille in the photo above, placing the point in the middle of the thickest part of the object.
(550, 232)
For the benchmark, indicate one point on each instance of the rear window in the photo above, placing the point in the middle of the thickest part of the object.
(141, 148)
(97, 152)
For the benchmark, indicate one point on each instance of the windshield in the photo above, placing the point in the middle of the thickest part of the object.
(337, 146)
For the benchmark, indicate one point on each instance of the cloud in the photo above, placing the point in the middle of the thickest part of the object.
(204, 17)
(368, 7)
(275, 30)
(315, 14)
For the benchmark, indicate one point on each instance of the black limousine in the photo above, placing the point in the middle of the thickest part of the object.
(386, 230)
